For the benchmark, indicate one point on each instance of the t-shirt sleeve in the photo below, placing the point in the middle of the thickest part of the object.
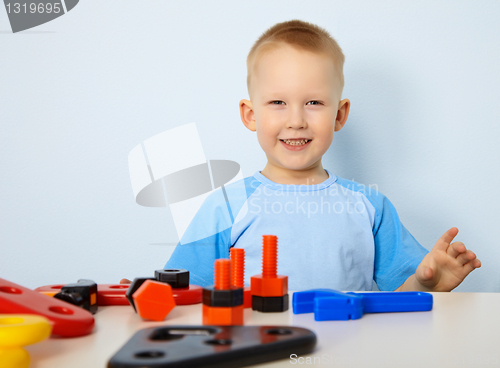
(397, 253)
(198, 257)
(207, 238)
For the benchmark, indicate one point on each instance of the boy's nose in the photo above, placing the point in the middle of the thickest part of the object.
(296, 120)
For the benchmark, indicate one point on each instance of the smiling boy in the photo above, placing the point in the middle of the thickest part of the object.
(332, 232)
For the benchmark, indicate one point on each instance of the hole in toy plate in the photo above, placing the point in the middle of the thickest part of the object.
(166, 334)
(10, 290)
(150, 354)
(219, 342)
(119, 287)
(60, 310)
(279, 331)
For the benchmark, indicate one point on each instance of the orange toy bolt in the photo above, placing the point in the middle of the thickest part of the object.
(222, 274)
(237, 256)
(269, 290)
(222, 303)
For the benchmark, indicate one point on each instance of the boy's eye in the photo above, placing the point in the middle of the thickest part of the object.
(278, 102)
(313, 103)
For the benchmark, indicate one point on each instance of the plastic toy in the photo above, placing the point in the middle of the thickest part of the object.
(107, 294)
(237, 256)
(82, 294)
(222, 303)
(136, 284)
(154, 300)
(67, 320)
(175, 278)
(16, 331)
(183, 292)
(269, 290)
(329, 305)
(112, 294)
(217, 346)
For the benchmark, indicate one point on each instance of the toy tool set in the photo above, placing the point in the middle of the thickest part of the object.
(65, 310)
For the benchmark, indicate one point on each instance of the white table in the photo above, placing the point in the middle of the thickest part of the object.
(462, 330)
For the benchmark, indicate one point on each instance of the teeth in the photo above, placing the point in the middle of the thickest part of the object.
(296, 142)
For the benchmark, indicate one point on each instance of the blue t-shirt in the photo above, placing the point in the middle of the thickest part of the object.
(337, 234)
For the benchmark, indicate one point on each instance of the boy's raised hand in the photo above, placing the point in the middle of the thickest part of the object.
(446, 265)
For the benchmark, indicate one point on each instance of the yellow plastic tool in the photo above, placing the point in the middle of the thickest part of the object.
(16, 331)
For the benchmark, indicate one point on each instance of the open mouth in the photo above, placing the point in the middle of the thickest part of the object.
(296, 142)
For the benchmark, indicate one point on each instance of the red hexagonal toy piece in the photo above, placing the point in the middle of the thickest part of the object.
(154, 300)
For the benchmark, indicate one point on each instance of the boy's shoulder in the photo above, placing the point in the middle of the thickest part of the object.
(372, 195)
(230, 198)
(369, 191)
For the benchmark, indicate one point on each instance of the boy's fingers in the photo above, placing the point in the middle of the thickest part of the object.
(455, 249)
(125, 281)
(466, 257)
(472, 265)
(444, 241)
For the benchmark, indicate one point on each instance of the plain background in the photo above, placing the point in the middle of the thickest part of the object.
(78, 93)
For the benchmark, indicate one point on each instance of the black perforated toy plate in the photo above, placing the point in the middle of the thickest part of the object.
(212, 346)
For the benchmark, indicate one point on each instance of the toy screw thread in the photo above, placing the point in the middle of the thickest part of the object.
(237, 256)
(222, 274)
(269, 256)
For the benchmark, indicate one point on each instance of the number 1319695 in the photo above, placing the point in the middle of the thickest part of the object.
(33, 8)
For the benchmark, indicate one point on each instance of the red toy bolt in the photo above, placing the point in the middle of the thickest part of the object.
(222, 303)
(237, 256)
(222, 274)
(269, 290)
(269, 256)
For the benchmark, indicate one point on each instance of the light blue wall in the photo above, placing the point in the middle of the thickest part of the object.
(78, 93)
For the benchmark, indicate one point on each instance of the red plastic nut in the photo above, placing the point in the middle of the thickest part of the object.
(154, 300)
(223, 316)
(269, 287)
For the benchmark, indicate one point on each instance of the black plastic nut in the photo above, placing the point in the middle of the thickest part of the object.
(136, 284)
(222, 298)
(72, 298)
(178, 278)
(85, 294)
(270, 303)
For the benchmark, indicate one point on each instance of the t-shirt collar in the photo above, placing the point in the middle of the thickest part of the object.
(296, 188)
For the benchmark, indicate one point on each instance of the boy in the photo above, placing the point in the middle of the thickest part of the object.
(349, 235)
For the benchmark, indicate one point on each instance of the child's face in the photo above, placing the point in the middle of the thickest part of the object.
(295, 97)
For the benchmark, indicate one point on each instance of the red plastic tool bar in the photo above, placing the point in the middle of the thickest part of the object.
(67, 320)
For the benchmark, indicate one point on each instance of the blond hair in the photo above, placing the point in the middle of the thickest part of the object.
(300, 34)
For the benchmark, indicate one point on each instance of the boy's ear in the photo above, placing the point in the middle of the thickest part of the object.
(342, 114)
(247, 115)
